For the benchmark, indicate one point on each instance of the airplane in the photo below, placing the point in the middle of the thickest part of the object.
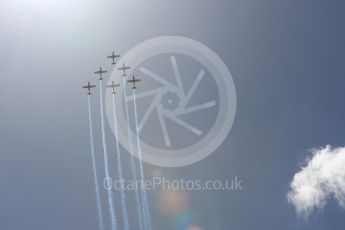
(89, 87)
(113, 56)
(113, 85)
(124, 68)
(133, 81)
(100, 72)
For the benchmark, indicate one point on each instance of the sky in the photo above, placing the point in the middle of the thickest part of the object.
(287, 62)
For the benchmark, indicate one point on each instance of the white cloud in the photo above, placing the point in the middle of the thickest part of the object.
(322, 178)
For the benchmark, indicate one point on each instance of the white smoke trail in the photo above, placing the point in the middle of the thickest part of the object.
(106, 164)
(133, 168)
(119, 168)
(94, 169)
(142, 176)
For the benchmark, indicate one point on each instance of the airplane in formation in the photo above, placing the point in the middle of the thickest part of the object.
(100, 72)
(113, 86)
(89, 87)
(113, 57)
(124, 68)
(133, 80)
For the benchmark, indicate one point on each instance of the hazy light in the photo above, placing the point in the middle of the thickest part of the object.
(173, 202)
(194, 228)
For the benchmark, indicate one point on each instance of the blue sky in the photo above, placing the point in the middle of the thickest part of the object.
(287, 61)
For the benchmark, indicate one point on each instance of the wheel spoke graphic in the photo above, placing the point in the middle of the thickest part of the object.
(148, 112)
(196, 108)
(194, 113)
(163, 126)
(177, 76)
(162, 113)
(147, 93)
(182, 123)
(161, 80)
(191, 91)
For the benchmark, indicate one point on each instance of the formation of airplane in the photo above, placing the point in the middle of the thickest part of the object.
(134, 80)
(100, 72)
(89, 87)
(113, 86)
(113, 56)
(124, 68)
